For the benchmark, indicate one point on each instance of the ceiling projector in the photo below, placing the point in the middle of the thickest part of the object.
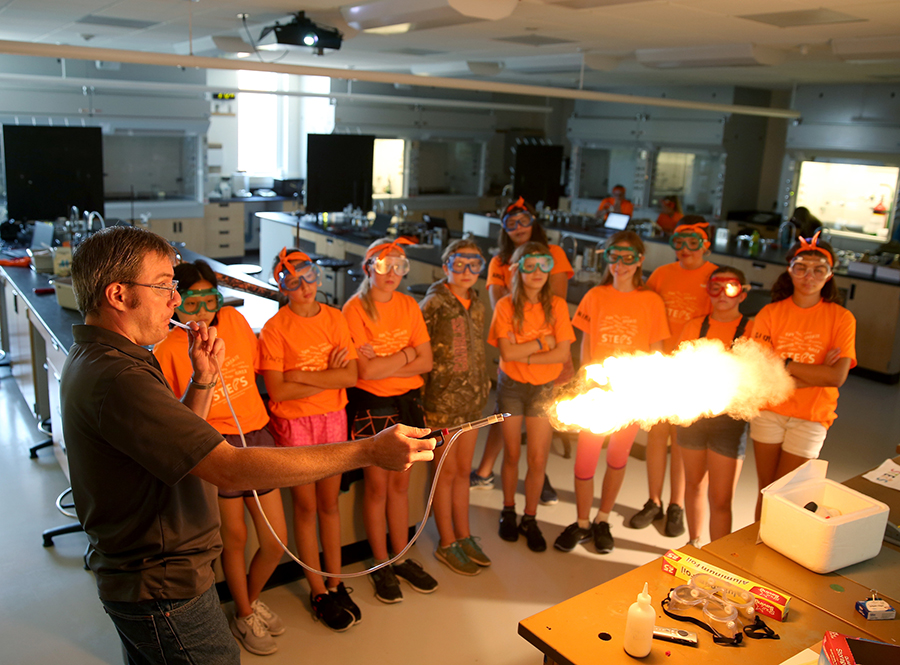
(300, 32)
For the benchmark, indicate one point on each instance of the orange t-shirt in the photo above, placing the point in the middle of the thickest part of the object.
(721, 330)
(400, 324)
(626, 208)
(238, 370)
(465, 302)
(684, 292)
(668, 222)
(501, 275)
(620, 323)
(533, 326)
(289, 341)
(806, 335)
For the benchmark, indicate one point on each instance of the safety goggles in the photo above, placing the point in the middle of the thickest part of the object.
(192, 301)
(805, 266)
(461, 262)
(532, 262)
(693, 241)
(721, 606)
(299, 273)
(731, 286)
(624, 253)
(516, 219)
(384, 265)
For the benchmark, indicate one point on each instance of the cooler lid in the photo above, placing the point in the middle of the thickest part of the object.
(814, 469)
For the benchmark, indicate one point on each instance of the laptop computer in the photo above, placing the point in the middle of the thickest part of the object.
(379, 227)
(616, 221)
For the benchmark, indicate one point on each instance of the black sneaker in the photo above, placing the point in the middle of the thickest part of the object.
(646, 515)
(571, 536)
(415, 576)
(674, 520)
(342, 595)
(548, 494)
(329, 611)
(603, 540)
(508, 529)
(387, 586)
(529, 528)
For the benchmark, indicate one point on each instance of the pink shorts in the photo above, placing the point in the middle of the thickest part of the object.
(310, 430)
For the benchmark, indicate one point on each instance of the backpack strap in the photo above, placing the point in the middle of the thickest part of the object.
(739, 331)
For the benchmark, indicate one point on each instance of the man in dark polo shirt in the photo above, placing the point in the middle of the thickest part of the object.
(145, 466)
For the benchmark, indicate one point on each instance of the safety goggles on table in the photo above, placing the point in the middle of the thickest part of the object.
(460, 262)
(192, 301)
(693, 241)
(384, 265)
(532, 262)
(624, 253)
(730, 285)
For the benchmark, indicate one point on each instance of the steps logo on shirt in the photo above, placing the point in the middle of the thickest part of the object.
(238, 377)
(389, 342)
(680, 306)
(802, 346)
(314, 358)
(618, 329)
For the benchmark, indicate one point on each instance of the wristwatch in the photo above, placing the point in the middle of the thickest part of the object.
(205, 386)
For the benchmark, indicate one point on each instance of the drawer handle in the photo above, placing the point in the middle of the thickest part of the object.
(225, 246)
(224, 233)
(329, 240)
(758, 266)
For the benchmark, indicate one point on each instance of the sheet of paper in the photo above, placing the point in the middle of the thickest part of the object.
(888, 474)
(806, 657)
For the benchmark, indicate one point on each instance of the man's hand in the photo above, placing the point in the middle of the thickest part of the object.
(207, 352)
(397, 448)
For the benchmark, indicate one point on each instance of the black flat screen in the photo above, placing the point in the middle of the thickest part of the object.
(338, 172)
(50, 169)
(538, 172)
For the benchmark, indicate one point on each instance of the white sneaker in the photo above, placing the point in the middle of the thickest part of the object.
(253, 635)
(272, 621)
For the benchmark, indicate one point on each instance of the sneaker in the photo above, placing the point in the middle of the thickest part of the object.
(646, 515)
(253, 635)
(508, 529)
(342, 594)
(548, 494)
(571, 536)
(329, 611)
(456, 559)
(674, 520)
(603, 540)
(387, 586)
(473, 550)
(477, 482)
(273, 622)
(529, 528)
(413, 573)
(695, 542)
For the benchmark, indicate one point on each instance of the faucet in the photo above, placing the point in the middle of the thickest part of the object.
(401, 211)
(90, 220)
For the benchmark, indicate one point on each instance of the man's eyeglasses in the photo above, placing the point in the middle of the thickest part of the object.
(459, 263)
(169, 289)
(803, 268)
(693, 241)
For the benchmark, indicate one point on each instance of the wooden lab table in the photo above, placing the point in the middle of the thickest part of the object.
(573, 632)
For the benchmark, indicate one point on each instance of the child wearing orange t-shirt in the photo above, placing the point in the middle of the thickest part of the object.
(816, 336)
(671, 214)
(532, 330)
(519, 225)
(619, 316)
(394, 349)
(714, 447)
(253, 622)
(307, 360)
(682, 286)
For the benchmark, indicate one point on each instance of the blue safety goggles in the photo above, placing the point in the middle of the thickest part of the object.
(461, 262)
(515, 219)
(303, 271)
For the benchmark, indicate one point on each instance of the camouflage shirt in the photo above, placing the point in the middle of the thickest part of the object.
(457, 383)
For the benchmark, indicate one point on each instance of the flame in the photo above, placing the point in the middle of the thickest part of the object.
(700, 379)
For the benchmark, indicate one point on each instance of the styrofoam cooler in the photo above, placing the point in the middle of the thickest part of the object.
(815, 542)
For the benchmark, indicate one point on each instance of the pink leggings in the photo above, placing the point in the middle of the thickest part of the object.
(590, 445)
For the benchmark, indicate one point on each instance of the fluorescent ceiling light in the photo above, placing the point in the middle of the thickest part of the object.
(724, 55)
(419, 14)
(867, 49)
(802, 18)
(395, 29)
(489, 10)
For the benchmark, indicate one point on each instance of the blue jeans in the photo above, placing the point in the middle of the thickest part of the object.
(175, 631)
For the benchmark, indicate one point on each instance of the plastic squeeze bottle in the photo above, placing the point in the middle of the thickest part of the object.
(639, 626)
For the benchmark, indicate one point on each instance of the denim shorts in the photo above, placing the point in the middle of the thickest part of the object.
(522, 399)
(722, 434)
(180, 632)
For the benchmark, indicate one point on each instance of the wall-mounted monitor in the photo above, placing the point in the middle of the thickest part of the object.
(50, 169)
(339, 172)
(538, 173)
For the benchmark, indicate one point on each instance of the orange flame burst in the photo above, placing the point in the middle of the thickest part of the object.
(700, 379)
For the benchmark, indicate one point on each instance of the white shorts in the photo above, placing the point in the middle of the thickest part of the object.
(803, 438)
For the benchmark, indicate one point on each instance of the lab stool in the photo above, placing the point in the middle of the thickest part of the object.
(247, 268)
(333, 281)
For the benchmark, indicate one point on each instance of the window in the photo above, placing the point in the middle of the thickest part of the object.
(258, 124)
(387, 168)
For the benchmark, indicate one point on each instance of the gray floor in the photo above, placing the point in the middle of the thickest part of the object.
(50, 612)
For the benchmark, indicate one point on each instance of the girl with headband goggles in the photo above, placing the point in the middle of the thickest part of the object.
(385, 262)
(731, 285)
(516, 215)
(531, 262)
(624, 253)
(692, 240)
(460, 262)
(192, 301)
(295, 268)
(820, 266)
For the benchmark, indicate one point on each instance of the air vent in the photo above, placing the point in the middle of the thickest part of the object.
(113, 22)
(418, 52)
(806, 17)
(534, 40)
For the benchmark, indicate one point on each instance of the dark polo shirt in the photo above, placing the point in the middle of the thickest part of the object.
(153, 527)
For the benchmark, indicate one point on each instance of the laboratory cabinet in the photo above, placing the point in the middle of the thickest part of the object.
(187, 230)
(877, 310)
(224, 230)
